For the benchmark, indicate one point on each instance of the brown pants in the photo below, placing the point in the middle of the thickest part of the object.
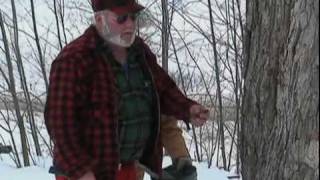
(172, 140)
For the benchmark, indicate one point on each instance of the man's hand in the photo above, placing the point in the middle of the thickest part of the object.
(198, 115)
(88, 176)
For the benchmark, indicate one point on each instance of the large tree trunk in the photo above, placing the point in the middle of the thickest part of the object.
(280, 127)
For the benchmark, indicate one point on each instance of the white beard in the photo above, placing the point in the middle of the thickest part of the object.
(115, 38)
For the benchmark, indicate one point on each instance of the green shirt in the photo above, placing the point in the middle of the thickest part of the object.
(135, 107)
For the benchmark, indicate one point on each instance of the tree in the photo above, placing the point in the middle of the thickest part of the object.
(280, 125)
(12, 88)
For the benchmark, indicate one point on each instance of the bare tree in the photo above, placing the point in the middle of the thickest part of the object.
(165, 33)
(221, 126)
(23, 81)
(37, 41)
(56, 15)
(9, 130)
(12, 88)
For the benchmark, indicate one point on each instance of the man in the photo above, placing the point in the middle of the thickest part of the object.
(105, 95)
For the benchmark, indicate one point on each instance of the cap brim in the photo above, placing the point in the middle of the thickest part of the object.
(128, 9)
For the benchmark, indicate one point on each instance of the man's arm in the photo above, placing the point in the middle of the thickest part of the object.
(60, 117)
(172, 101)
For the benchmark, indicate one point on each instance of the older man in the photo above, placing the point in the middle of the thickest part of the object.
(105, 97)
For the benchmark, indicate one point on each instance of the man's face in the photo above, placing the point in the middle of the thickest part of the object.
(116, 29)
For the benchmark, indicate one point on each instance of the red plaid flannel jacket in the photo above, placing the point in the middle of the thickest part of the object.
(81, 114)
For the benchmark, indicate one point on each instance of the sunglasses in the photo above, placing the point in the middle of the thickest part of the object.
(123, 18)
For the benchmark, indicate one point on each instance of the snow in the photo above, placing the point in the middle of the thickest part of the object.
(8, 172)
(27, 173)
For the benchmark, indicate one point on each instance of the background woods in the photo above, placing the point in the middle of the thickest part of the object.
(254, 64)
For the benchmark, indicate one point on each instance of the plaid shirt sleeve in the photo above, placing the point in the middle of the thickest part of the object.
(172, 100)
(60, 118)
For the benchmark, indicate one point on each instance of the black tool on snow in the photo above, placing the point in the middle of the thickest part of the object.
(188, 172)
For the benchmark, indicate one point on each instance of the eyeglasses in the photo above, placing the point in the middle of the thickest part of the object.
(123, 18)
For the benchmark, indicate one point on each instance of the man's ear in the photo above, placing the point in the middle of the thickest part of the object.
(98, 20)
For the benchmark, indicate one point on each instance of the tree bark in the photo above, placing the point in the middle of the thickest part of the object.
(165, 34)
(280, 126)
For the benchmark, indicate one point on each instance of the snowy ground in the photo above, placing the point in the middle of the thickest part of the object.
(9, 172)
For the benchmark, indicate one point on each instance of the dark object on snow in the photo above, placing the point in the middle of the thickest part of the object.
(5, 149)
(52, 170)
(56, 171)
(234, 177)
(188, 172)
